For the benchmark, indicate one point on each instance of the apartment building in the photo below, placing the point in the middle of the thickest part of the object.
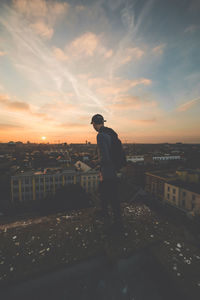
(135, 158)
(89, 181)
(155, 182)
(167, 157)
(185, 196)
(36, 185)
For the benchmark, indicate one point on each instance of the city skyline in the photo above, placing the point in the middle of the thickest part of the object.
(134, 62)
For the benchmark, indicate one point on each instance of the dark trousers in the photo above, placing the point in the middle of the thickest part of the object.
(108, 190)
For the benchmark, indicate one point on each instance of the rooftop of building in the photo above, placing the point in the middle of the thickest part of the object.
(164, 174)
(47, 171)
(75, 255)
(190, 186)
(52, 171)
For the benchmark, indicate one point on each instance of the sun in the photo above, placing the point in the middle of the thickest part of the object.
(43, 138)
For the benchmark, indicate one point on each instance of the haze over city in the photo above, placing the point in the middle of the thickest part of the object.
(134, 62)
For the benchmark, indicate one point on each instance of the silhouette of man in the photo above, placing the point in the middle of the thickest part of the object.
(108, 187)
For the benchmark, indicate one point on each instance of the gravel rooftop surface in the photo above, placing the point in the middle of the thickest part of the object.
(35, 246)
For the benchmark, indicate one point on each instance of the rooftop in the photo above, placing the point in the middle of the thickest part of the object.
(165, 174)
(190, 186)
(54, 249)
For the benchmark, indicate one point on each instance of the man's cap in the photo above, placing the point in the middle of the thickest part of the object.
(97, 119)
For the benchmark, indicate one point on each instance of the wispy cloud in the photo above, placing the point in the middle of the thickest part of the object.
(60, 54)
(39, 63)
(129, 102)
(192, 28)
(42, 29)
(188, 105)
(87, 45)
(21, 106)
(146, 122)
(2, 53)
(118, 86)
(4, 126)
(70, 125)
(159, 49)
(13, 105)
(41, 14)
(126, 46)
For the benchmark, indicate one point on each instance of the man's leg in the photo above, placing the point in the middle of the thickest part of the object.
(104, 196)
(115, 201)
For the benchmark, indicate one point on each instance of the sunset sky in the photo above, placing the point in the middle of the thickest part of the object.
(135, 62)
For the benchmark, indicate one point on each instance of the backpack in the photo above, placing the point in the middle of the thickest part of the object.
(117, 153)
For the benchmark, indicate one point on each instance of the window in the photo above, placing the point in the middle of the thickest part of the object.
(168, 196)
(174, 191)
(168, 188)
(184, 194)
(174, 198)
(16, 198)
(192, 204)
(193, 197)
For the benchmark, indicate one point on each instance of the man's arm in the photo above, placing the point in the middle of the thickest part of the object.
(103, 149)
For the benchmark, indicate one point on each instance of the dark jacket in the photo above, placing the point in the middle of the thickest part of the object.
(104, 152)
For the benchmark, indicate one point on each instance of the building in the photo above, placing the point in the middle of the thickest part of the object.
(179, 188)
(185, 196)
(155, 182)
(32, 186)
(166, 157)
(135, 158)
(81, 166)
(89, 181)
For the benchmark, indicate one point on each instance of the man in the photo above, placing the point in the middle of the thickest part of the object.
(108, 186)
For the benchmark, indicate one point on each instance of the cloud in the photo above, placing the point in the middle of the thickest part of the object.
(144, 122)
(188, 105)
(2, 53)
(191, 28)
(41, 14)
(40, 8)
(13, 105)
(84, 45)
(37, 8)
(42, 29)
(60, 55)
(21, 106)
(108, 54)
(70, 125)
(39, 64)
(159, 49)
(126, 102)
(131, 54)
(87, 45)
(129, 102)
(116, 86)
(42, 116)
(4, 126)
